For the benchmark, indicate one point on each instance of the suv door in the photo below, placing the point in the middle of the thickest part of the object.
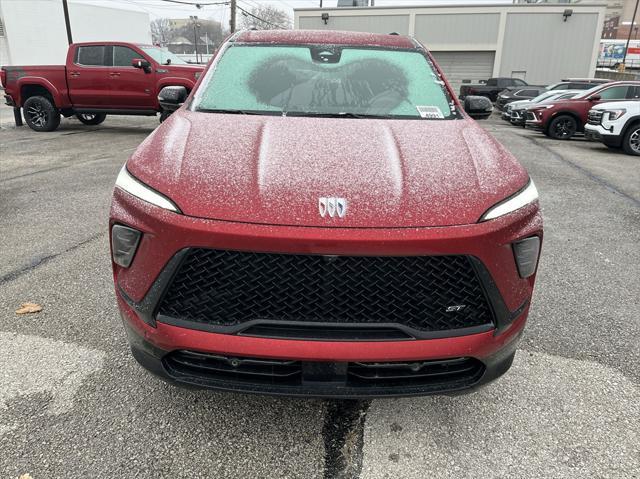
(87, 77)
(131, 88)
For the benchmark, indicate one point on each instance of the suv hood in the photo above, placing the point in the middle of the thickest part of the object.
(273, 170)
(520, 104)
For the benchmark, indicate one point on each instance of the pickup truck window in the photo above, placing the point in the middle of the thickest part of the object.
(122, 56)
(492, 82)
(93, 55)
(323, 80)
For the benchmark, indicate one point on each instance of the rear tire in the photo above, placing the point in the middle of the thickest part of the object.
(631, 140)
(41, 114)
(563, 127)
(91, 118)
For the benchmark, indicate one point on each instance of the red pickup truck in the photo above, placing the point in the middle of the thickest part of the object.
(99, 78)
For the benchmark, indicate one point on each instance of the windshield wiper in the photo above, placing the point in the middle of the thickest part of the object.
(237, 112)
(345, 114)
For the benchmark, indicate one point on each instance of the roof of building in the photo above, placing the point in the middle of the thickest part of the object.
(328, 37)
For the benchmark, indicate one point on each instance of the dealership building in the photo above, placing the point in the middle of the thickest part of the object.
(539, 43)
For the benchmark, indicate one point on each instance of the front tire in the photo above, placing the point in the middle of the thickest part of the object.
(563, 127)
(41, 114)
(91, 118)
(164, 114)
(631, 140)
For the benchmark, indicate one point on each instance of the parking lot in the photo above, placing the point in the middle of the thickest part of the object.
(73, 402)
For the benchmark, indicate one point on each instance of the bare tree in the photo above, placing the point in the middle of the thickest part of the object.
(161, 31)
(265, 18)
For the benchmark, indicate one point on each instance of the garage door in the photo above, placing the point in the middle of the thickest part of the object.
(462, 66)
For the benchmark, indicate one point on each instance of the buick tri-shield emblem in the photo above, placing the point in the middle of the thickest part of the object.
(332, 206)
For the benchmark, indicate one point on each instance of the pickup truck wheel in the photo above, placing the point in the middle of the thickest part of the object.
(91, 118)
(631, 140)
(41, 114)
(563, 127)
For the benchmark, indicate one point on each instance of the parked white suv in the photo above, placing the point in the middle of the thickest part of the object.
(616, 124)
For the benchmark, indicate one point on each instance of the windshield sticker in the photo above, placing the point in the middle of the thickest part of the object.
(430, 112)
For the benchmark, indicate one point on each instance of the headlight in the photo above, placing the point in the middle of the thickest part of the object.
(615, 114)
(138, 189)
(544, 107)
(525, 196)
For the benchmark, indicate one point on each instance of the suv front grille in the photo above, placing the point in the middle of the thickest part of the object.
(229, 288)
(595, 117)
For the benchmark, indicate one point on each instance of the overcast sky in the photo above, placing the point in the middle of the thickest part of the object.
(160, 8)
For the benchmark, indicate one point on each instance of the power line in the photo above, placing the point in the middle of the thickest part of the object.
(196, 4)
(248, 13)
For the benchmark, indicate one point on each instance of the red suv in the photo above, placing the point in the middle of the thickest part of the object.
(321, 217)
(564, 118)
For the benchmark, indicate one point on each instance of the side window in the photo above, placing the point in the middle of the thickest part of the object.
(93, 55)
(614, 93)
(518, 82)
(531, 93)
(122, 56)
(580, 86)
(633, 93)
(492, 82)
(562, 86)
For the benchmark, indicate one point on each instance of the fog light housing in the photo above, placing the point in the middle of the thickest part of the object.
(526, 254)
(124, 243)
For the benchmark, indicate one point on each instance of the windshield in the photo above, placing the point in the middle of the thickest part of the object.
(589, 92)
(324, 80)
(163, 57)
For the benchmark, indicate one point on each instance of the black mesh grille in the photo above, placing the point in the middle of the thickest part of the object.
(595, 117)
(228, 288)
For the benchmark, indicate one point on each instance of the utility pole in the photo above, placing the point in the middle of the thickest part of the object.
(65, 9)
(232, 18)
(194, 19)
(633, 22)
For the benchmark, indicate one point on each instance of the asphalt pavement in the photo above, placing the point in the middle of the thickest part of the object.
(73, 402)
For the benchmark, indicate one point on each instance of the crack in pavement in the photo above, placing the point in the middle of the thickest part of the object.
(12, 275)
(343, 435)
(584, 171)
(55, 168)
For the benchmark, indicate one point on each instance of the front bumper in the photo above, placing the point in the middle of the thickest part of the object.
(602, 135)
(165, 234)
(328, 377)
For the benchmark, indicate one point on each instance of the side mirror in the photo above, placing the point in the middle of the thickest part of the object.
(142, 64)
(172, 97)
(595, 97)
(478, 107)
